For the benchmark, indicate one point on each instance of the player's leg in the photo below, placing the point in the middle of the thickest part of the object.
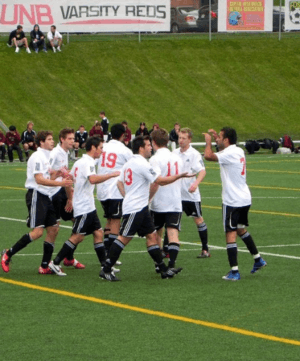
(26, 150)
(19, 151)
(99, 246)
(10, 153)
(48, 249)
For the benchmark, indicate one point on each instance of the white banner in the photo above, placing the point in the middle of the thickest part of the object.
(292, 15)
(86, 15)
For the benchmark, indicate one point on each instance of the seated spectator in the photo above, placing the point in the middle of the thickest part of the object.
(96, 130)
(27, 139)
(37, 39)
(104, 123)
(18, 39)
(142, 130)
(173, 136)
(13, 140)
(81, 137)
(2, 147)
(127, 138)
(55, 39)
(155, 127)
(286, 142)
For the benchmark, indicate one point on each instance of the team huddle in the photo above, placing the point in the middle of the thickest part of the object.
(138, 196)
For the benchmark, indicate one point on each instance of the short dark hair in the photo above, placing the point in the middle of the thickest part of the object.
(102, 112)
(124, 122)
(19, 27)
(53, 26)
(81, 126)
(41, 136)
(117, 130)
(12, 128)
(160, 137)
(139, 142)
(230, 134)
(64, 132)
(143, 123)
(93, 141)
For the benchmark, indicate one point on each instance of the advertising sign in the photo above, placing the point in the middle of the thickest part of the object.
(86, 16)
(292, 15)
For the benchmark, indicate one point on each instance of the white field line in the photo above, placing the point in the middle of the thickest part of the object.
(188, 243)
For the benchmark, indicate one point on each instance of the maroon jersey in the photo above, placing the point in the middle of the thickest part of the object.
(13, 138)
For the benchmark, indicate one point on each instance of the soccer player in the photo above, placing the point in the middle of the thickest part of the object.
(134, 183)
(81, 137)
(55, 39)
(190, 196)
(236, 197)
(27, 139)
(62, 197)
(85, 214)
(115, 154)
(166, 207)
(41, 211)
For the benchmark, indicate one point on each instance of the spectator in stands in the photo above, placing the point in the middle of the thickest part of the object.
(286, 141)
(2, 147)
(155, 127)
(127, 138)
(37, 39)
(173, 136)
(81, 137)
(13, 140)
(55, 39)
(28, 139)
(96, 130)
(104, 123)
(142, 130)
(18, 39)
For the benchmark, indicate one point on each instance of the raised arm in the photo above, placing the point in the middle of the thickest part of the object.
(208, 152)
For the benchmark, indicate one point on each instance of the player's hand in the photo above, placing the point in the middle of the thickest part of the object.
(69, 206)
(66, 182)
(207, 137)
(193, 187)
(115, 174)
(214, 133)
(65, 173)
(187, 175)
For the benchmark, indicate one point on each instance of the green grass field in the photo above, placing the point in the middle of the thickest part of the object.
(195, 316)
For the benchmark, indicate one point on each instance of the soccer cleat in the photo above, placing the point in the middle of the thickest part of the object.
(17, 49)
(9, 45)
(45, 50)
(28, 51)
(176, 270)
(45, 271)
(54, 50)
(58, 49)
(56, 269)
(115, 270)
(168, 274)
(204, 254)
(232, 276)
(258, 265)
(118, 263)
(74, 263)
(37, 50)
(108, 276)
(5, 261)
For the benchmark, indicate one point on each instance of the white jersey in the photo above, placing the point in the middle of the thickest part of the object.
(192, 162)
(58, 160)
(50, 35)
(235, 192)
(83, 198)
(137, 175)
(38, 163)
(115, 154)
(167, 198)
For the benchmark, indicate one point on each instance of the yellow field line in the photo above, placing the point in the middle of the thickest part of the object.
(259, 212)
(153, 313)
(14, 188)
(257, 187)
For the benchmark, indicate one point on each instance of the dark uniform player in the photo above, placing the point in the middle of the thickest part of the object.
(27, 139)
(81, 137)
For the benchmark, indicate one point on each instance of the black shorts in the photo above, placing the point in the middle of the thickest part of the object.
(87, 223)
(139, 222)
(167, 219)
(112, 208)
(41, 212)
(82, 144)
(235, 217)
(192, 209)
(59, 201)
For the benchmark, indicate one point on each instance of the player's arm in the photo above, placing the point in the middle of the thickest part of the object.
(153, 189)
(96, 179)
(50, 182)
(69, 205)
(198, 180)
(163, 181)
(208, 152)
(121, 188)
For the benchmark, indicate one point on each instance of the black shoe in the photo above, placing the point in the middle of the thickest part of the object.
(168, 274)
(108, 276)
(176, 270)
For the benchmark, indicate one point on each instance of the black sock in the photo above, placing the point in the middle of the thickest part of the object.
(70, 255)
(100, 251)
(22, 243)
(156, 255)
(113, 255)
(246, 237)
(173, 252)
(65, 250)
(48, 250)
(111, 239)
(105, 242)
(202, 229)
(232, 254)
(166, 243)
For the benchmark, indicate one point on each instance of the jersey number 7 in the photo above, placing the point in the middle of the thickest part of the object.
(243, 161)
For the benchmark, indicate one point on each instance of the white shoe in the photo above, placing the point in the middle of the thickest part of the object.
(56, 269)
(28, 50)
(58, 48)
(118, 263)
(115, 270)
(17, 49)
(54, 50)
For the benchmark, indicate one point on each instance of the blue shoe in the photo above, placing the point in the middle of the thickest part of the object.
(232, 276)
(258, 265)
